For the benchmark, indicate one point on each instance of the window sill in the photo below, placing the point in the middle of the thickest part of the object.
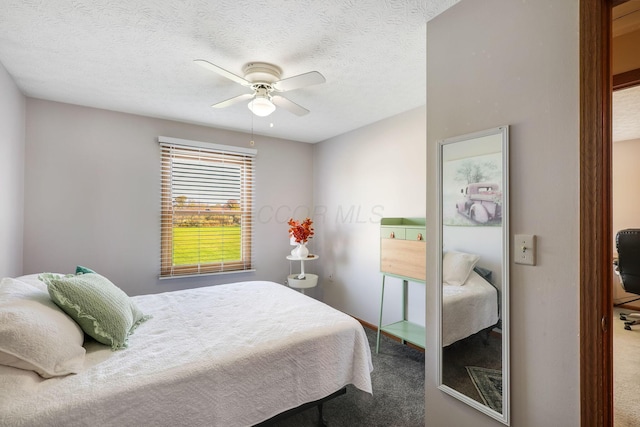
(186, 276)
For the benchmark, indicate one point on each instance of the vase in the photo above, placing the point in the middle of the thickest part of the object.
(300, 251)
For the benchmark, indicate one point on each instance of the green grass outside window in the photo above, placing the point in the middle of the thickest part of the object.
(201, 245)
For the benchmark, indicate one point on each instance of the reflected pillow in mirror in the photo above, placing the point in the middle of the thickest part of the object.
(456, 267)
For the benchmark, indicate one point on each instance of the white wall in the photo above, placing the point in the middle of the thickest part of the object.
(626, 175)
(92, 195)
(626, 205)
(492, 63)
(360, 177)
(12, 143)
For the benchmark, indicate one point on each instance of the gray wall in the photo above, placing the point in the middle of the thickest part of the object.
(12, 142)
(92, 195)
(626, 175)
(359, 177)
(92, 198)
(497, 62)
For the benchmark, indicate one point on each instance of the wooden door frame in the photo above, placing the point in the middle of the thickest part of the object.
(626, 80)
(596, 305)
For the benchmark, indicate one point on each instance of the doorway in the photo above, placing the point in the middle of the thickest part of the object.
(625, 146)
(596, 303)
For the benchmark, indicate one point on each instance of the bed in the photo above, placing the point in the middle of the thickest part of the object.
(226, 355)
(468, 308)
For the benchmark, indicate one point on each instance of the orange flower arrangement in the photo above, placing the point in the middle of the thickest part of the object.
(301, 232)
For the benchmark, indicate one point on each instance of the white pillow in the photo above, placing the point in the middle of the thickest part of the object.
(456, 267)
(35, 334)
(32, 279)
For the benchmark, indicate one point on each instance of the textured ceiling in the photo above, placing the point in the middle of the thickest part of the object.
(137, 57)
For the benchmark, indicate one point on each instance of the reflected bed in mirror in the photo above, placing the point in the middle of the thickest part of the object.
(473, 361)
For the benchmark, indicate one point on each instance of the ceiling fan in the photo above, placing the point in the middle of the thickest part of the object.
(264, 80)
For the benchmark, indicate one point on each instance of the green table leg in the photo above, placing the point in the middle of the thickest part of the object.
(380, 319)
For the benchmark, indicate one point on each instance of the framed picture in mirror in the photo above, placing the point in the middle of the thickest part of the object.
(473, 272)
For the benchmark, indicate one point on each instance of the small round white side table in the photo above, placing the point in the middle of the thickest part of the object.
(302, 280)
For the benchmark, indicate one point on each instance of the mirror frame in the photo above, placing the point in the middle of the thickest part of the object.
(503, 417)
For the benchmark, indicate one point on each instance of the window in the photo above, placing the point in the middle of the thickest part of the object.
(207, 208)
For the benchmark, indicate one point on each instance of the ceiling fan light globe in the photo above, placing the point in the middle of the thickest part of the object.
(261, 107)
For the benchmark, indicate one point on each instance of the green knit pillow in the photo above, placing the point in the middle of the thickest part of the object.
(102, 310)
(83, 270)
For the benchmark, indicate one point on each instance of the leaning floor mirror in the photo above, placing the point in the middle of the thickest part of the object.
(473, 272)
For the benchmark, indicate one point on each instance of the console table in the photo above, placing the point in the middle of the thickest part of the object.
(403, 255)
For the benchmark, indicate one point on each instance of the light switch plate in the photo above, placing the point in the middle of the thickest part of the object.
(524, 249)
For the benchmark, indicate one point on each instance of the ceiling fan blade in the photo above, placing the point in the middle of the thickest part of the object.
(228, 74)
(290, 106)
(234, 100)
(301, 80)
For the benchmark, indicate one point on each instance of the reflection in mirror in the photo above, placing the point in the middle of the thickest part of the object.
(474, 247)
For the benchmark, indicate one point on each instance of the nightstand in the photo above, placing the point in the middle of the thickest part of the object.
(302, 280)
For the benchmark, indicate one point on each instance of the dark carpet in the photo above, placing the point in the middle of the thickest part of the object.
(471, 351)
(398, 393)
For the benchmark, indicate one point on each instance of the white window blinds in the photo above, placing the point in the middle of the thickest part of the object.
(207, 208)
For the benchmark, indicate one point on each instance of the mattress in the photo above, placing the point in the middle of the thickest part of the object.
(468, 309)
(226, 355)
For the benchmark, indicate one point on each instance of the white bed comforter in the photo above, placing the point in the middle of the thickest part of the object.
(228, 355)
(468, 309)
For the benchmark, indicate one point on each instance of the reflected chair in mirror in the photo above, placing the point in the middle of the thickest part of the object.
(627, 268)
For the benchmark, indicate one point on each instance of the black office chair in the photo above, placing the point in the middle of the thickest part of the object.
(628, 268)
